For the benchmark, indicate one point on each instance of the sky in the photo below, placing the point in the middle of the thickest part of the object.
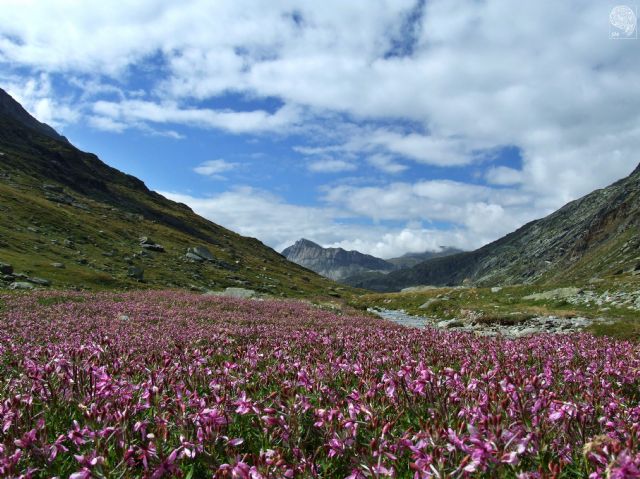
(386, 126)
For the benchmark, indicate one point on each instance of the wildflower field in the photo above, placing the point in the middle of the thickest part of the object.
(167, 384)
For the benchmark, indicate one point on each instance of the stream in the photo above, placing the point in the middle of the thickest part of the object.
(540, 324)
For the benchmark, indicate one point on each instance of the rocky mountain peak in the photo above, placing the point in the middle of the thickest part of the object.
(334, 263)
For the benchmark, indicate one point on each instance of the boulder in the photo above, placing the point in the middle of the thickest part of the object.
(135, 273)
(240, 293)
(496, 289)
(193, 257)
(203, 252)
(58, 265)
(21, 285)
(6, 268)
(560, 293)
(39, 281)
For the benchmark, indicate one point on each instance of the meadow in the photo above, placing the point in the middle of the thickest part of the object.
(175, 384)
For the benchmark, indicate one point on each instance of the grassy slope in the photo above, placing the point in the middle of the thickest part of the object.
(105, 234)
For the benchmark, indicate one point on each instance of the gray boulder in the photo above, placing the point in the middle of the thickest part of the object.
(559, 293)
(21, 285)
(240, 293)
(203, 252)
(39, 281)
(58, 265)
(135, 273)
(193, 257)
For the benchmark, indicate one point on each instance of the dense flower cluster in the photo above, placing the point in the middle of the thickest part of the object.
(171, 384)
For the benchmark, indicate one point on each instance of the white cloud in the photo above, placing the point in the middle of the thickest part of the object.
(330, 166)
(213, 168)
(135, 112)
(37, 96)
(254, 212)
(543, 77)
(503, 175)
(480, 213)
(386, 164)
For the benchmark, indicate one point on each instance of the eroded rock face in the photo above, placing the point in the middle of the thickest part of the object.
(334, 263)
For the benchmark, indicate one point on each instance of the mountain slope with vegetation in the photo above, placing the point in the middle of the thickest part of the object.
(596, 235)
(69, 220)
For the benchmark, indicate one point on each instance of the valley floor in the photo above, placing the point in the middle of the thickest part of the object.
(170, 384)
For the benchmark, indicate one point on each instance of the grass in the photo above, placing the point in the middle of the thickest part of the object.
(507, 306)
(105, 242)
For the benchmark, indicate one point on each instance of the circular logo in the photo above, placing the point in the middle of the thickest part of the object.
(624, 19)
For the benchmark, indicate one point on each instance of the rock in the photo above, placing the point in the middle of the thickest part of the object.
(54, 188)
(201, 251)
(68, 243)
(135, 273)
(146, 240)
(33, 229)
(240, 293)
(496, 289)
(39, 281)
(8, 278)
(193, 257)
(123, 317)
(83, 261)
(153, 247)
(6, 268)
(560, 293)
(428, 303)
(58, 265)
(21, 285)
(526, 332)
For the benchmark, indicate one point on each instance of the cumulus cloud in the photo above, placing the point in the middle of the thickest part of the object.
(503, 175)
(214, 168)
(330, 166)
(472, 77)
(254, 212)
(37, 96)
(386, 164)
(135, 112)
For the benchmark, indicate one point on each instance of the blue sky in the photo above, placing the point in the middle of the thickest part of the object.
(383, 126)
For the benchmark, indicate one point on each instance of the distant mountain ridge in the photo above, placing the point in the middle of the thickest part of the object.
(334, 263)
(71, 221)
(595, 235)
(408, 260)
(342, 265)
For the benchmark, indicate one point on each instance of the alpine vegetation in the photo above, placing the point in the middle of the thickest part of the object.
(173, 384)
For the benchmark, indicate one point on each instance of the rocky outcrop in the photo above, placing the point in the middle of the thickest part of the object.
(334, 263)
(594, 235)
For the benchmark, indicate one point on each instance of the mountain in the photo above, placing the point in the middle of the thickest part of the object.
(411, 259)
(593, 236)
(68, 219)
(334, 263)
